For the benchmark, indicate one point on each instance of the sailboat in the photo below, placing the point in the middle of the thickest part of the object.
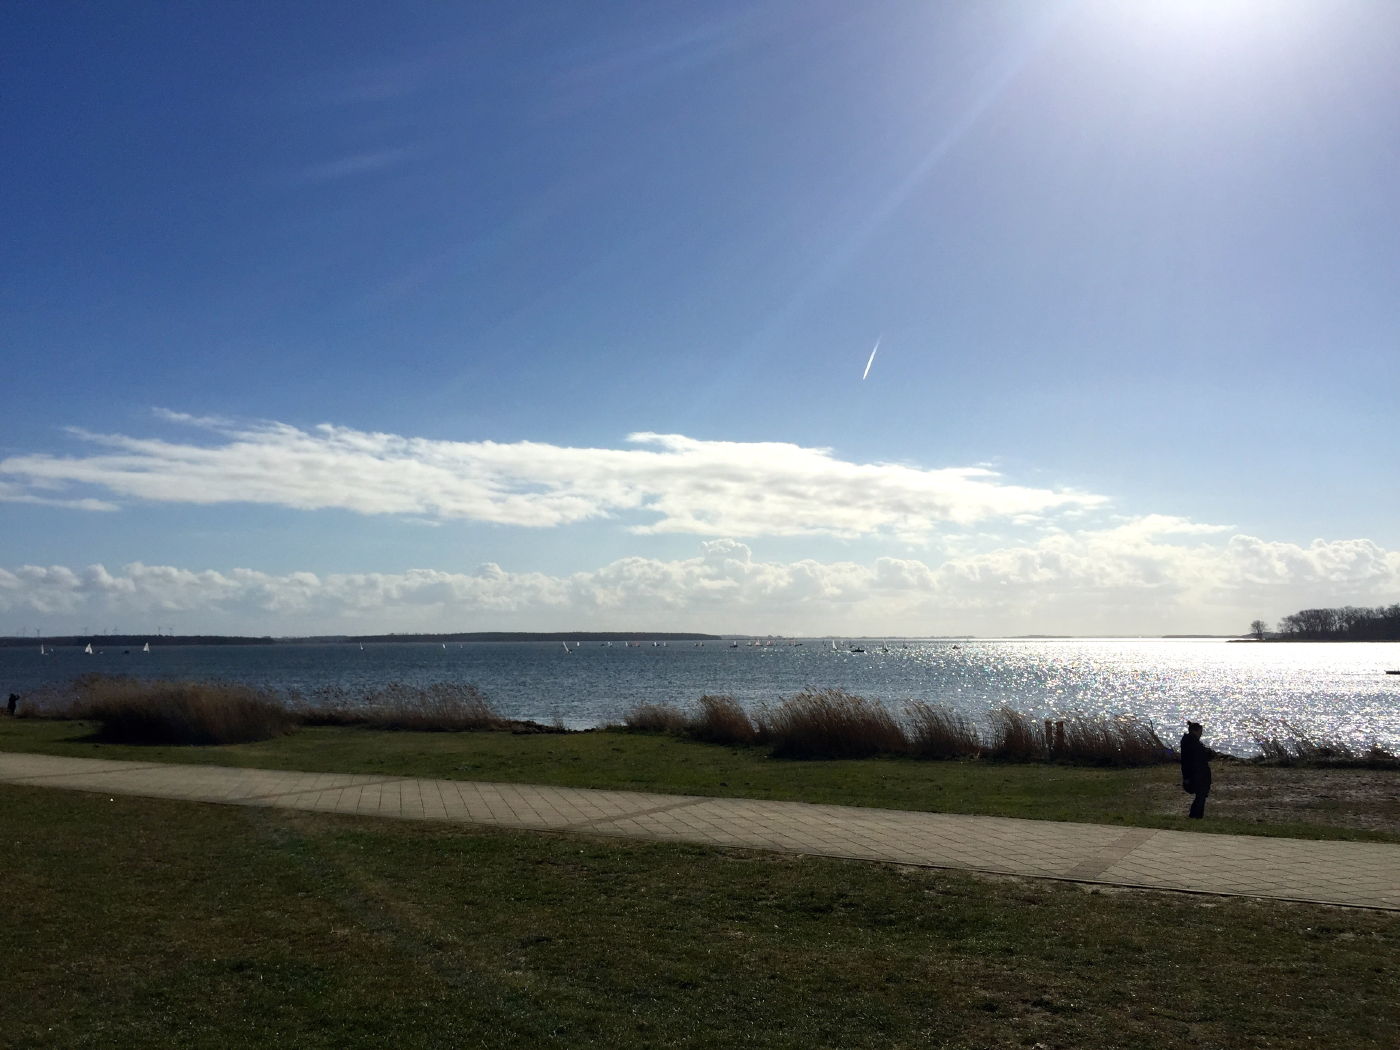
(88, 648)
(42, 650)
(566, 648)
(146, 648)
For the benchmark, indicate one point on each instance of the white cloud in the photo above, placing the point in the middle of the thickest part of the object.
(1128, 579)
(665, 483)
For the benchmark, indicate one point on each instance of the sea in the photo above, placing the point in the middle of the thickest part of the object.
(1331, 690)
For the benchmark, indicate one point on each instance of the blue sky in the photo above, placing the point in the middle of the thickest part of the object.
(424, 316)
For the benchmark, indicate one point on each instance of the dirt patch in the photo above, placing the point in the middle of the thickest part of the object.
(1364, 799)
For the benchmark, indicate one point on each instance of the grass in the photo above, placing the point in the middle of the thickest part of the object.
(135, 923)
(1246, 799)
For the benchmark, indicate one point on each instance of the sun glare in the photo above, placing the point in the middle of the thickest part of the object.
(1213, 18)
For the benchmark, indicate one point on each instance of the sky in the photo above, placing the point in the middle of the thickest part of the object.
(354, 317)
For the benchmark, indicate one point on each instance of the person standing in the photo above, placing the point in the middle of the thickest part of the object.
(1195, 769)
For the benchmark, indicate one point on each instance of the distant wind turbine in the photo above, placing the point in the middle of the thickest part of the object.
(871, 361)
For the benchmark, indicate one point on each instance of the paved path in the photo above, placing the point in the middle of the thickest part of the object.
(1358, 874)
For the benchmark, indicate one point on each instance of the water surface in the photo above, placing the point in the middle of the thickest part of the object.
(1329, 689)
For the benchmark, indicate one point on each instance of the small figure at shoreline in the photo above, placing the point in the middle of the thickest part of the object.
(1195, 769)
(11, 704)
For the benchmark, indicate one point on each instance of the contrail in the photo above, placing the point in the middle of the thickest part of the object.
(872, 359)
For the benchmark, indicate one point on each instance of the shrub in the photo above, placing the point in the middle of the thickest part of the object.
(721, 720)
(654, 718)
(936, 732)
(830, 723)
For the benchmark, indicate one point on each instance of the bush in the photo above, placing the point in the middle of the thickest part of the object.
(830, 723)
(721, 720)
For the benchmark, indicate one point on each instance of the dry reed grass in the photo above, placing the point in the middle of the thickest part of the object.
(654, 718)
(721, 720)
(1286, 744)
(1015, 737)
(830, 723)
(938, 733)
(1101, 740)
(443, 707)
(133, 711)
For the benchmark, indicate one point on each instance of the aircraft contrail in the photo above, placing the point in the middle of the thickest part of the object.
(872, 359)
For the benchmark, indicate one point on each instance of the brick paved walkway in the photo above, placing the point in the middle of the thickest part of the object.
(1358, 874)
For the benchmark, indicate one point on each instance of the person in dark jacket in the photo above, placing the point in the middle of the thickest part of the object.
(1195, 769)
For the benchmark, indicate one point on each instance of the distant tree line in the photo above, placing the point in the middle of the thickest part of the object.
(1347, 624)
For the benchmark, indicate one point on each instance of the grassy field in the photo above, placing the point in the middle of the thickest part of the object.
(1354, 804)
(142, 923)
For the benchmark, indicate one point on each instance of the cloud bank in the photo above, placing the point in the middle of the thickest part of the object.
(1146, 576)
(665, 483)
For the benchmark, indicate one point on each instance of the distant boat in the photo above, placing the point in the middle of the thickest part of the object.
(88, 648)
(43, 651)
(857, 649)
(566, 648)
(147, 647)
(1393, 672)
(833, 645)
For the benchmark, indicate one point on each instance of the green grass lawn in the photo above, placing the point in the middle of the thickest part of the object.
(149, 923)
(1247, 799)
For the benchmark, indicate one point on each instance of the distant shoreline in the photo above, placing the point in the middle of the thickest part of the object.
(126, 641)
(115, 641)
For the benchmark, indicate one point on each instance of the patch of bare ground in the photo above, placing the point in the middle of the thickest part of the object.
(1364, 799)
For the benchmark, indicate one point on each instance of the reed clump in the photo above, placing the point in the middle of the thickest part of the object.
(1099, 740)
(654, 718)
(1016, 737)
(939, 733)
(134, 711)
(830, 723)
(1286, 744)
(721, 720)
(443, 707)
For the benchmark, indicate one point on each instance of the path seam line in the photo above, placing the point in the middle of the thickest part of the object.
(321, 790)
(1093, 867)
(634, 814)
(24, 777)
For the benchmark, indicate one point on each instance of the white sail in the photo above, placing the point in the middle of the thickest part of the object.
(88, 648)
